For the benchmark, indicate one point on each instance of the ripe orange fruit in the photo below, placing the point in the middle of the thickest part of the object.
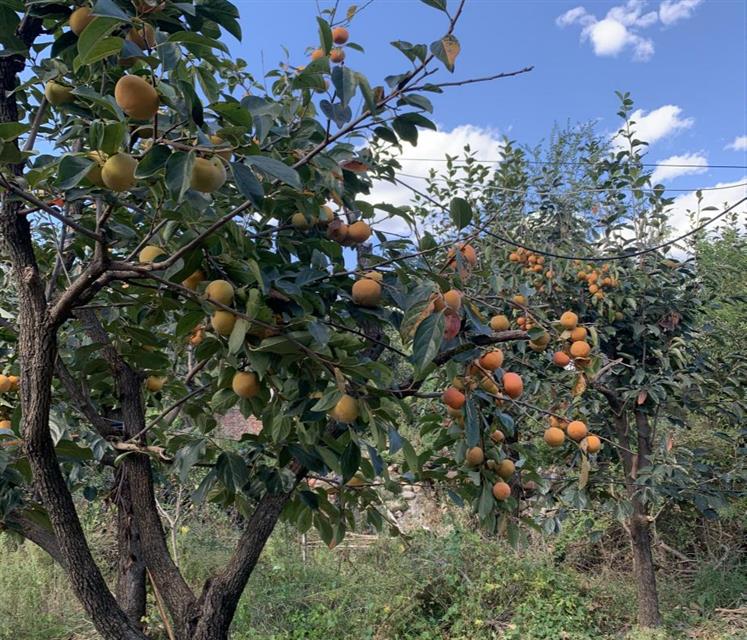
(5, 383)
(568, 320)
(514, 257)
(593, 288)
(513, 385)
(505, 468)
(366, 292)
(453, 398)
(593, 443)
(501, 491)
(581, 275)
(521, 321)
(580, 349)
(337, 55)
(359, 232)
(317, 53)
(499, 323)
(474, 457)
(492, 360)
(520, 300)
(579, 334)
(592, 277)
(468, 253)
(576, 430)
(599, 295)
(245, 384)
(340, 35)
(453, 299)
(561, 359)
(554, 437)
(497, 436)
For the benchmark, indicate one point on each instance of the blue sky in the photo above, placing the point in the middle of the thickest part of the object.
(684, 62)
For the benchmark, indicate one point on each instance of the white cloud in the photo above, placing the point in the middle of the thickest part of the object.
(484, 143)
(579, 14)
(727, 193)
(656, 124)
(739, 144)
(666, 170)
(671, 11)
(621, 28)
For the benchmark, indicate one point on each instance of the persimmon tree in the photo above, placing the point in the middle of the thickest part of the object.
(174, 243)
(633, 358)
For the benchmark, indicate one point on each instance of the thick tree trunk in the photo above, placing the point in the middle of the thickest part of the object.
(37, 351)
(131, 577)
(221, 594)
(640, 533)
(639, 526)
(643, 568)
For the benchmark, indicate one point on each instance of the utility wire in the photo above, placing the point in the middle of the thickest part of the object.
(560, 256)
(567, 163)
(589, 190)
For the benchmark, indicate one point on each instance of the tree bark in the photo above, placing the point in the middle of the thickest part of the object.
(222, 593)
(639, 526)
(176, 593)
(640, 535)
(37, 352)
(131, 576)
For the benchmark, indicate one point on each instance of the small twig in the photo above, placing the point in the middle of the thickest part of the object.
(159, 604)
(50, 210)
(459, 83)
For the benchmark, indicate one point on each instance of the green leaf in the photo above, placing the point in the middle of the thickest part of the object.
(109, 9)
(101, 49)
(461, 212)
(350, 460)
(72, 170)
(410, 456)
(436, 4)
(99, 28)
(405, 130)
(446, 50)
(11, 130)
(328, 400)
(345, 83)
(236, 339)
(427, 341)
(276, 169)
(234, 113)
(247, 184)
(179, 173)
(153, 161)
(485, 506)
(325, 35)
(471, 423)
(190, 37)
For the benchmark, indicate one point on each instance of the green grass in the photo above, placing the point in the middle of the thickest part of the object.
(459, 586)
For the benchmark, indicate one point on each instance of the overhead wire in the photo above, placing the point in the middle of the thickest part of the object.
(589, 190)
(609, 258)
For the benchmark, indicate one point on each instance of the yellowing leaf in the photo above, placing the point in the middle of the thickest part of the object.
(580, 386)
(583, 476)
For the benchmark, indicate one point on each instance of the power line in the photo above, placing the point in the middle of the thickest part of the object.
(568, 163)
(560, 256)
(588, 190)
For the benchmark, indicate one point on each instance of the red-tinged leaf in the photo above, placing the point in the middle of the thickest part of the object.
(356, 166)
